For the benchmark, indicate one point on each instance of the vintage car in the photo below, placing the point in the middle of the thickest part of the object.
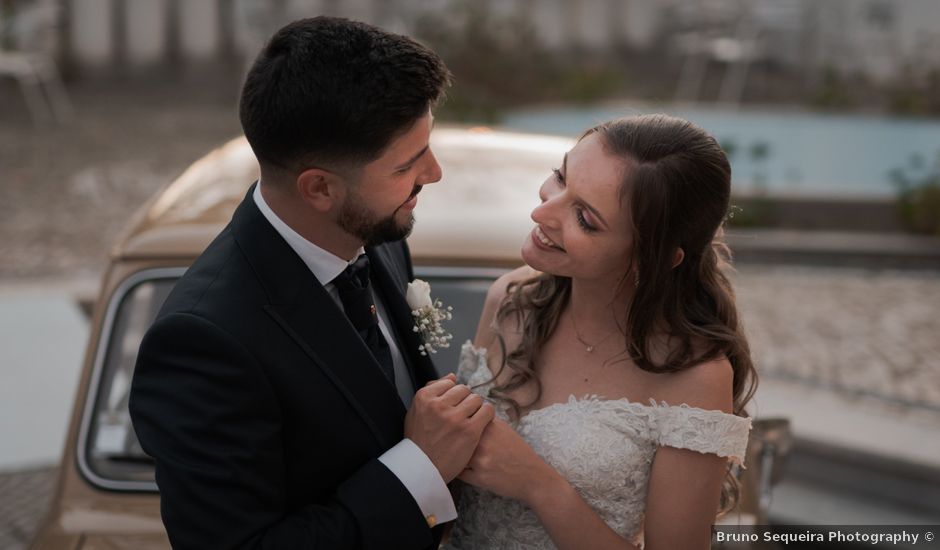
(470, 227)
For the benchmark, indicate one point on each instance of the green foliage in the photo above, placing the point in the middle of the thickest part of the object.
(585, 85)
(6, 13)
(498, 62)
(752, 211)
(918, 195)
(729, 146)
(915, 96)
(834, 92)
(756, 209)
(760, 151)
(495, 61)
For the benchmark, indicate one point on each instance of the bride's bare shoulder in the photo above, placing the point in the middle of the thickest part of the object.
(500, 286)
(486, 333)
(708, 386)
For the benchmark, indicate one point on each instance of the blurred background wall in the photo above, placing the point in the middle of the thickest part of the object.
(880, 39)
(831, 54)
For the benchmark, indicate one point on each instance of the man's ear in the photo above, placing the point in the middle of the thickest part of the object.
(679, 256)
(319, 188)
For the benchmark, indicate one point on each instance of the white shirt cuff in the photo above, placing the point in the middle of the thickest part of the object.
(420, 476)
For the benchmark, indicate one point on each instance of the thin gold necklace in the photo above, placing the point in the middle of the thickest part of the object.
(588, 347)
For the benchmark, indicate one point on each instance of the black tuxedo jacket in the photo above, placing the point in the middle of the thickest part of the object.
(264, 410)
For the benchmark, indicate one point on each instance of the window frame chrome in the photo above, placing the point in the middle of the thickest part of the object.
(92, 395)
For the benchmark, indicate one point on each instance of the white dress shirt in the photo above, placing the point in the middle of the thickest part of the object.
(406, 460)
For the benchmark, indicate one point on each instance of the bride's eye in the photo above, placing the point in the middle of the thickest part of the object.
(583, 222)
(558, 176)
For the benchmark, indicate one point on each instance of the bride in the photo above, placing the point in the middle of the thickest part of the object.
(615, 358)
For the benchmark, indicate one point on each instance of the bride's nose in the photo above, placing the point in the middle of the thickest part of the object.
(546, 213)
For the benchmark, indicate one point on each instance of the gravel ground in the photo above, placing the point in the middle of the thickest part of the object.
(866, 334)
(67, 191)
(25, 498)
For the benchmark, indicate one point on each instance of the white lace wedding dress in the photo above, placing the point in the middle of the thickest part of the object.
(603, 447)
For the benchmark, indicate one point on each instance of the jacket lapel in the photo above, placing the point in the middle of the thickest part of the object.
(392, 282)
(300, 305)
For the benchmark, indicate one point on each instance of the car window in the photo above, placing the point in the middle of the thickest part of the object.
(109, 453)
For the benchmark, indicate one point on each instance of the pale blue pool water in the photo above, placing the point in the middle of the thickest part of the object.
(807, 153)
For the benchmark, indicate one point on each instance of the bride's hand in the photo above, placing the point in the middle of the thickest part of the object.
(505, 464)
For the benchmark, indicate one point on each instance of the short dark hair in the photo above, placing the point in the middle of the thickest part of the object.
(329, 91)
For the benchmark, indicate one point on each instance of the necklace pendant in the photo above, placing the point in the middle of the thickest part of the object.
(590, 349)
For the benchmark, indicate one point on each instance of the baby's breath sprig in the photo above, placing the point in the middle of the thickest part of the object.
(428, 321)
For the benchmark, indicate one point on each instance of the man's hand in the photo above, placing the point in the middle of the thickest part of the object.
(446, 421)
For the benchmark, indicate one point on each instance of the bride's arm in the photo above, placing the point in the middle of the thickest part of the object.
(685, 485)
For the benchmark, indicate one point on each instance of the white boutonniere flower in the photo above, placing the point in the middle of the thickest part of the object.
(428, 314)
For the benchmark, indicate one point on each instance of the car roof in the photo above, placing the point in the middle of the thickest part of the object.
(477, 214)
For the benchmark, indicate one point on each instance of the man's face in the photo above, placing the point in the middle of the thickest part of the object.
(378, 208)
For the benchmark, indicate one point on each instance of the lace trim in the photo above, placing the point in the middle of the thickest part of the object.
(696, 429)
(679, 426)
(472, 369)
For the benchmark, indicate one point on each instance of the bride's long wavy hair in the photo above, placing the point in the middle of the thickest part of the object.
(678, 191)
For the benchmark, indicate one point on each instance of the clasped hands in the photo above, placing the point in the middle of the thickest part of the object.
(460, 434)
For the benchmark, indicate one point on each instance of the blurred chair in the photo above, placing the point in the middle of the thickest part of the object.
(735, 33)
(255, 21)
(29, 29)
(768, 450)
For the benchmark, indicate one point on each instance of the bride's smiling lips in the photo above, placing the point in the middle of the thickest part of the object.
(541, 240)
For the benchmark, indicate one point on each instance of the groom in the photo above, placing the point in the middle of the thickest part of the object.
(280, 390)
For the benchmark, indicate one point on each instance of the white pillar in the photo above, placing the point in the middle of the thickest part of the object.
(641, 22)
(594, 26)
(145, 31)
(301, 9)
(360, 10)
(199, 29)
(572, 22)
(548, 18)
(91, 40)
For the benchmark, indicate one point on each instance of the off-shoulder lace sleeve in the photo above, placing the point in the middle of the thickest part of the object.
(472, 369)
(714, 432)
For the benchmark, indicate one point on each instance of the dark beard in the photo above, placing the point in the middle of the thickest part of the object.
(362, 223)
